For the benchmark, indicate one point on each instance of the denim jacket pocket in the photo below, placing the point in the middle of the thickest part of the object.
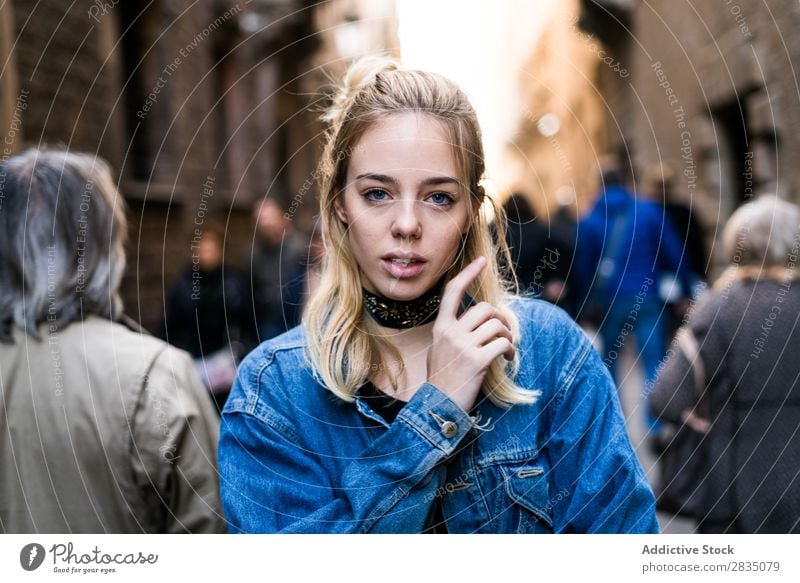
(526, 487)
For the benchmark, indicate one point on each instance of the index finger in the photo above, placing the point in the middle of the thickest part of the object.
(455, 289)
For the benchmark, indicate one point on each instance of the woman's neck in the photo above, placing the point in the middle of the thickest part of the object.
(413, 345)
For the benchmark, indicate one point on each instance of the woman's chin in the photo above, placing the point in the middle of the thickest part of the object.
(401, 296)
(403, 290)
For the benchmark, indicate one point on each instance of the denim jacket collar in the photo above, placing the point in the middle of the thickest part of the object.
(295, 458)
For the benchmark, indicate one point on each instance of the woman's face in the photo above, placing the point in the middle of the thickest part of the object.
(210, 252)
(403, 199)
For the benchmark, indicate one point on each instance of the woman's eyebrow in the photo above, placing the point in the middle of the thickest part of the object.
(438, 180)
(386, 179)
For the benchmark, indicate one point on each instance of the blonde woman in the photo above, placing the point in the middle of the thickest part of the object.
(419, 394)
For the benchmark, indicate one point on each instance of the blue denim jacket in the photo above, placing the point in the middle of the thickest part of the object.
(295, 458)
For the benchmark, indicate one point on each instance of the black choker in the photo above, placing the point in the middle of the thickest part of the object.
(404, 314)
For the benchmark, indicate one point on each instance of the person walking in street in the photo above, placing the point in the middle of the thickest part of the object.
(207, 314)
(277, 267)
(541, 258)
(659, 180)
(103, 428)
(746, 400)
(625, 245)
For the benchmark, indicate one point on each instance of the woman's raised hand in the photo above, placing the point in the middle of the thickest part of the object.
(464, 347)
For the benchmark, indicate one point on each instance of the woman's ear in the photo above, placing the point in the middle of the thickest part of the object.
(339, 208)
(473, 218)
(476, 206)
(477, 201)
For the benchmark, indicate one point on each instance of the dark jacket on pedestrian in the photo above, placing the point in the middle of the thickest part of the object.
(276, 285)
(688, 228)
(207, 311)
(747, 336)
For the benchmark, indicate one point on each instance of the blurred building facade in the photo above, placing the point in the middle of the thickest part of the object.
(535, 81)
(562, 127)
(202, 108)
(712, 92)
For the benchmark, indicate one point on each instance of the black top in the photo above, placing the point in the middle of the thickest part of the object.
(691, 235)
(388, 407)
(206, 311)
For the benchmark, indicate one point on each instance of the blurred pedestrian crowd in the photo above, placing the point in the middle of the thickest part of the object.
(126, 425)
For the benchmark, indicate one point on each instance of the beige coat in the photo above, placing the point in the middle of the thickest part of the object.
(104, 429)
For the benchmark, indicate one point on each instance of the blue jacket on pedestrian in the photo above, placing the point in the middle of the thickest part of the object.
(295, 458)
(638, 239)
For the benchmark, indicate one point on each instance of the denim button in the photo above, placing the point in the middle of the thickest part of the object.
(449, 429)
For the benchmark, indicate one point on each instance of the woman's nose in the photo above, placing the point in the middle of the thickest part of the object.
(406, 221)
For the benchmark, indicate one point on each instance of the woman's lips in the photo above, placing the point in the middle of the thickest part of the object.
(403, 271)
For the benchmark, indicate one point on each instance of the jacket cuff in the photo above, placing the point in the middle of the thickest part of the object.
(437, 417)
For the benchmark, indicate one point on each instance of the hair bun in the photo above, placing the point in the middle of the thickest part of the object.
(359, 74)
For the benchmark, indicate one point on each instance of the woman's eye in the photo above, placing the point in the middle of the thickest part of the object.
(376, 194)
(441, 198)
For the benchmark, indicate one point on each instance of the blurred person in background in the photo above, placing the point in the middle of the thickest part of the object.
(541, 259)
(207, 313)
(625, 245)
(316, 255)
(659, 184)
(563, 227)
(277, 265)
(746, 332)
(103, 429)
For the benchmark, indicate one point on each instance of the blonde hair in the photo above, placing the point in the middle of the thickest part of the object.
(343, 342)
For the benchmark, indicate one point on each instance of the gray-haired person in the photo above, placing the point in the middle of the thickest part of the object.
(737, 378)
(103, 428)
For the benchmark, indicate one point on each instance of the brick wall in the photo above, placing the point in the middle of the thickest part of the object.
(172, 95)
(60, 62)
(709, 78)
